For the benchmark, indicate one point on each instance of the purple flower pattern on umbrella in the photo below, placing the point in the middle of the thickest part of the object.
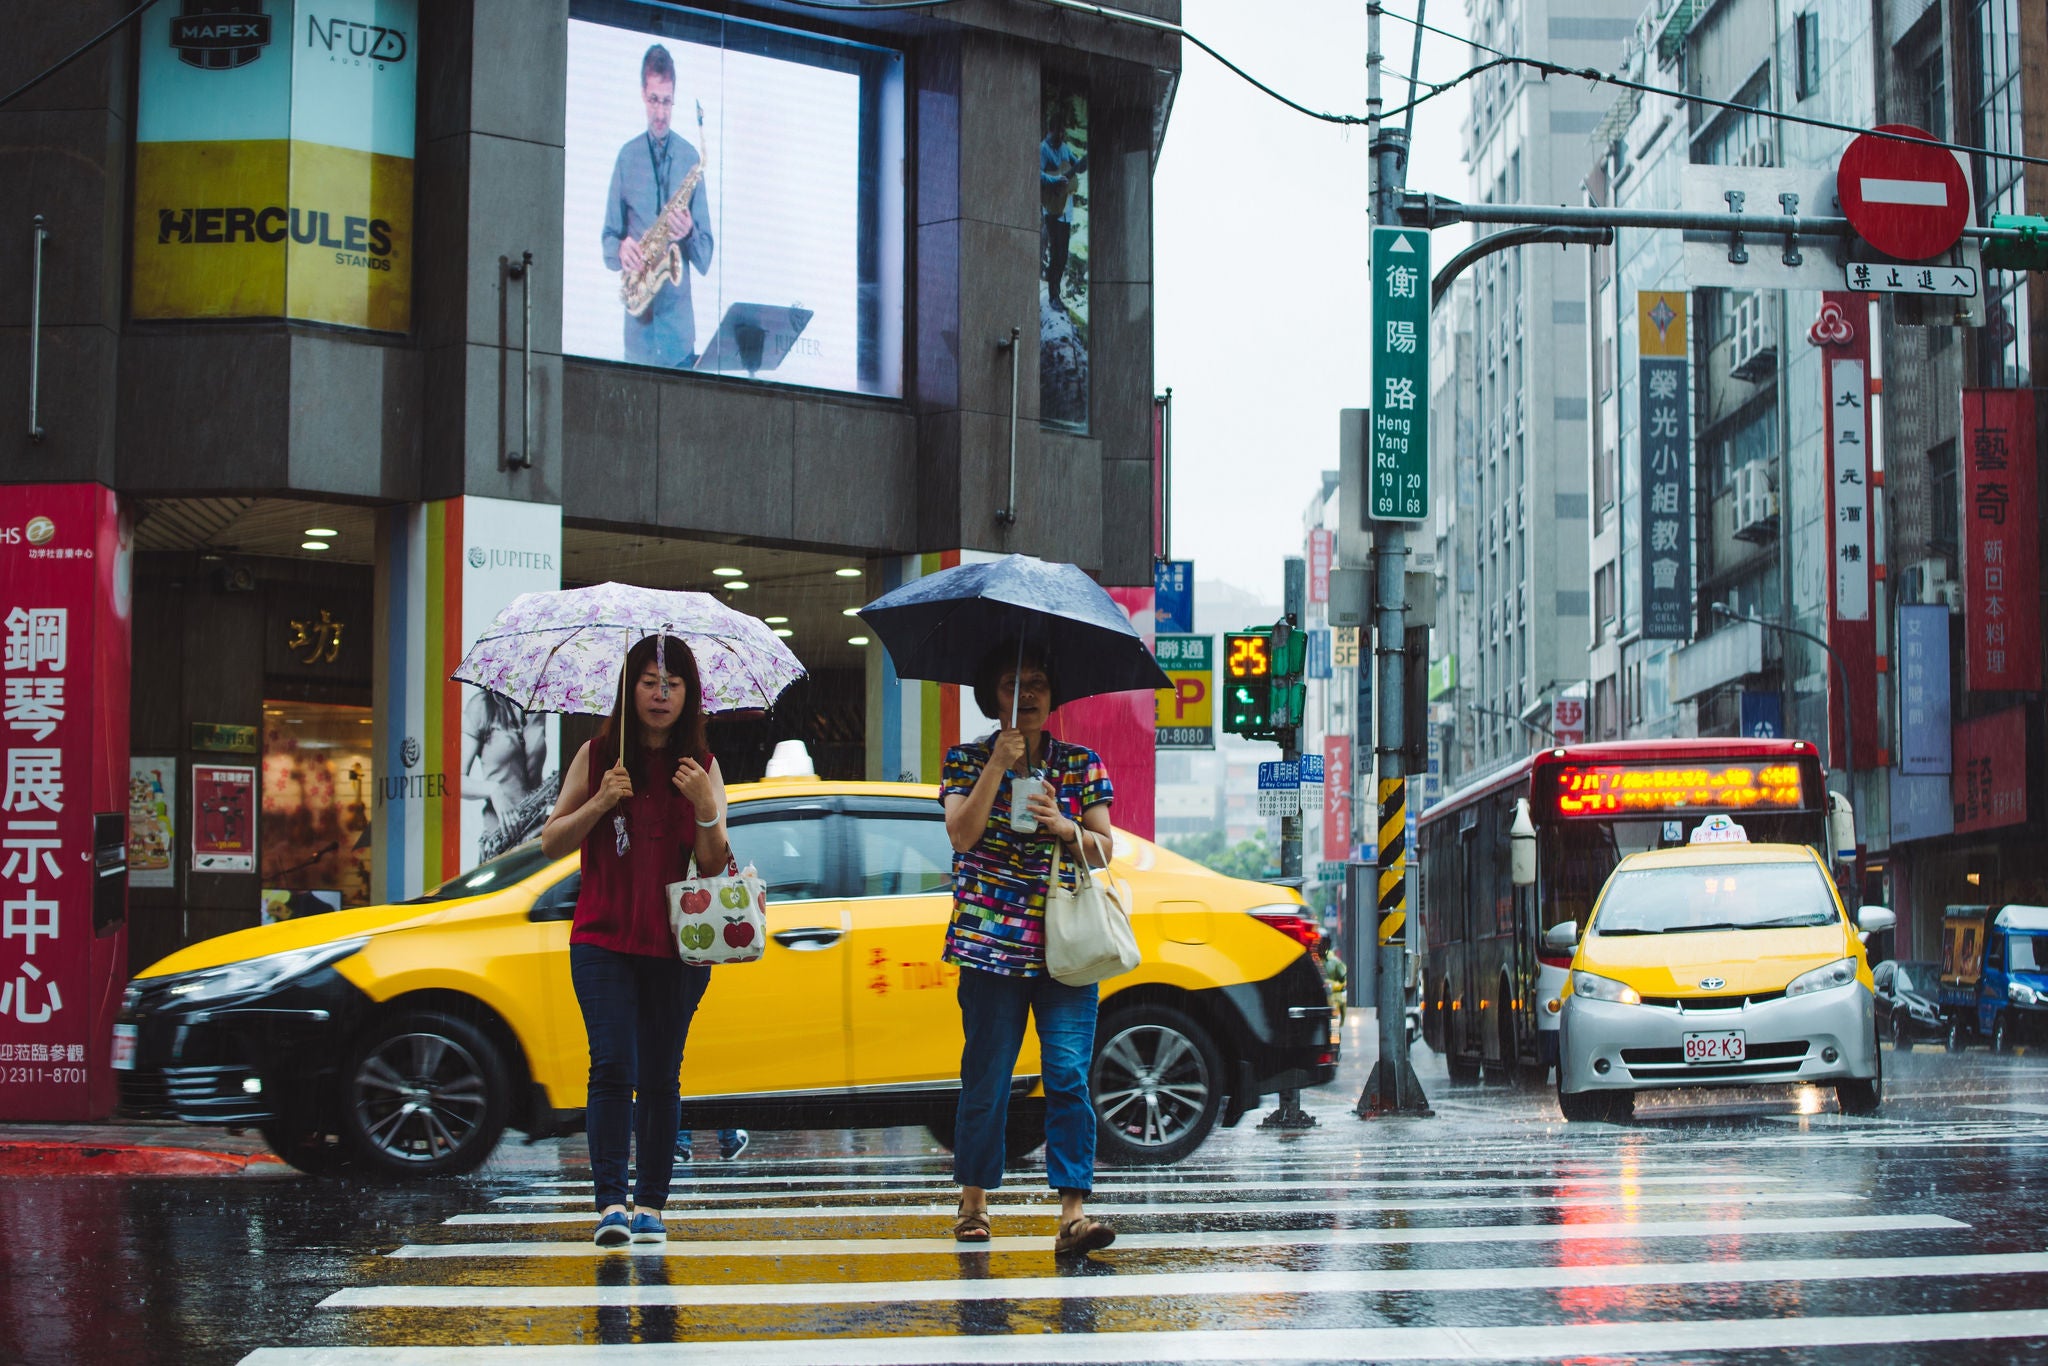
(562, 651)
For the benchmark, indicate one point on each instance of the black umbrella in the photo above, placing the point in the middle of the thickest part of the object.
(942, 627)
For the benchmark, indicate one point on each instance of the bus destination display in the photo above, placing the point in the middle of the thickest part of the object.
(1608, 790)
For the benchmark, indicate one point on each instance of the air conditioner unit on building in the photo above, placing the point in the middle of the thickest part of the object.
(1755, 503)
(1753, 351)
(1937, 589)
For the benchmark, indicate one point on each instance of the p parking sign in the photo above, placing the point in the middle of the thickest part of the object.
(1184, 715)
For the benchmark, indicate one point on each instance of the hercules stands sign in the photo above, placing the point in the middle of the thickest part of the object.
(273, 169)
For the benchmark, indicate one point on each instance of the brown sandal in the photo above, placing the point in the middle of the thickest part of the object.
(1083, 1235)
(971, 1228)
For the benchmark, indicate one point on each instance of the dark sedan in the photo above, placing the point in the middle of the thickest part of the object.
(1907, 1002)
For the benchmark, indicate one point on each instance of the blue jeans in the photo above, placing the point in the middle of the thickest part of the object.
(993, 1007)
(636, 1011)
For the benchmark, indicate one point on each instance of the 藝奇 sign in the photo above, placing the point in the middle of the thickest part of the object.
(277, 184)
(1173, 596)
(1666, 446)
(63, 797)
(2001, 569)
(1184, 715)
(1924, 729)
(224, 798)
(1989, 784)
(1280, 788)
(1397, 468)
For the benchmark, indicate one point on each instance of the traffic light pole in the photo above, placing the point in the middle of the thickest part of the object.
(1392, 1087)
(1289, 1114)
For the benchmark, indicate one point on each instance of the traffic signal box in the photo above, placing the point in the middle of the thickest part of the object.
(1264, 691)
(2029, 253)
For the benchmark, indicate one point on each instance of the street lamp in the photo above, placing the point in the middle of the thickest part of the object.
(1722, 609)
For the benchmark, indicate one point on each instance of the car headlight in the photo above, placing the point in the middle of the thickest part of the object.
(2022, 994)
(131, 997)
(1600, 988)
(256, 974)
(1839, 973)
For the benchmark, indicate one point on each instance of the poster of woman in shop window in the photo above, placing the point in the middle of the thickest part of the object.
(504, 766)
(1063, 257)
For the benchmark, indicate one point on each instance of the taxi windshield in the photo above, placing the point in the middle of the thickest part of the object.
(507, 868)
(1723, 896)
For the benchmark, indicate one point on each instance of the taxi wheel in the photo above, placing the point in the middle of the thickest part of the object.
(304, 1147)
(1863, 1097)
(1023, 1135)
(427, 1095)
(1595, 1107)
(1156, 1084)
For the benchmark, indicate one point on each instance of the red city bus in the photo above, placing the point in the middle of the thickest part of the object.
(1485, 976)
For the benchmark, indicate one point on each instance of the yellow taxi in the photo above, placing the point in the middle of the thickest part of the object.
(406, 1038)
(1719, 963)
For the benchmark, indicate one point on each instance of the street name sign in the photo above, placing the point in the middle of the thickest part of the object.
(1908, 199)
(1398, 468)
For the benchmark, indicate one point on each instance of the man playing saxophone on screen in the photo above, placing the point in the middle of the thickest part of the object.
(651, 170)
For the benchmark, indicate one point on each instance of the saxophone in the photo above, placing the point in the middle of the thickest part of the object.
(661, 256)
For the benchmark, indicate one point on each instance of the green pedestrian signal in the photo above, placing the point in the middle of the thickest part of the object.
(1248, 684)
(2030, 252)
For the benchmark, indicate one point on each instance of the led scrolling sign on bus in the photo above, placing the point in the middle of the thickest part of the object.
(1619, 789)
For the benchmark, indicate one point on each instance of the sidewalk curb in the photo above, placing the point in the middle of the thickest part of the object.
(20, 1158)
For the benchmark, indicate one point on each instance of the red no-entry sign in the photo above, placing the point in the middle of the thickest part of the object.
(1908, 200)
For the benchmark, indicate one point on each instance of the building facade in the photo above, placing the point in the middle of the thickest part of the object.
(338, 303)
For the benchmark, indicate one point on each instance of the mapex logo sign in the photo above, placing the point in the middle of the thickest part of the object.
(355, 44)
(220, 35)
(483, 557)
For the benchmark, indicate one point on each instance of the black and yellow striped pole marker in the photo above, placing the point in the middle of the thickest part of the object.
(1393, 859)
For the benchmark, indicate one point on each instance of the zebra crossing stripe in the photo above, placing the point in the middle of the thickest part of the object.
(1204, 1207)
(1620, 1230)
(1520, 1341)
(1005, 1198)
(1206, 1284)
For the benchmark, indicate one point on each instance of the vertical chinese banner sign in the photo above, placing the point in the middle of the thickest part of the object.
(63, 795)
(1852, 630)
(1322, 546)
(1336, 798)
(1666, 475)
(2001, 570)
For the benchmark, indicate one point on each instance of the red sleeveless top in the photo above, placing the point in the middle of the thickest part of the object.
(622, 904)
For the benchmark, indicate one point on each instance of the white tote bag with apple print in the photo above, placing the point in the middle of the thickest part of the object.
(720, 919)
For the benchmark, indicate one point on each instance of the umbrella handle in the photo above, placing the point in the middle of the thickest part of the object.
(623, 661)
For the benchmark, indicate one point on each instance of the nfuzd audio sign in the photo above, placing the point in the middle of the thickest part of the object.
(273, 162)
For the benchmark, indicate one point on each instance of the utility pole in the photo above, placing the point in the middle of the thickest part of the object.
(1294, 607)
(1391, 1088)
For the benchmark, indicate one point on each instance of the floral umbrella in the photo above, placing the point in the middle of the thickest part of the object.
(564, 651)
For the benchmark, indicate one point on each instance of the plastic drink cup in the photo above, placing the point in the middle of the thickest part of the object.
(1024, 786)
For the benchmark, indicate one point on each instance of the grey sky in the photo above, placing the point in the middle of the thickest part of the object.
(1260, 260)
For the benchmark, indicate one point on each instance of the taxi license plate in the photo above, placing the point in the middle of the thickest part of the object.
(1720, 1046)
(124, 1047)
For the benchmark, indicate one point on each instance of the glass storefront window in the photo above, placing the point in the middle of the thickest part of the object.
(314, 834)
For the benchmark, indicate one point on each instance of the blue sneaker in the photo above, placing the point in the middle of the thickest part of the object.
(647, 1228)
(612, 1230)
(729, 1149)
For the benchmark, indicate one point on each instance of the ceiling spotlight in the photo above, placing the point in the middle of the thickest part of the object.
(784, 632)
(848, 573)
(737, 584)
(856, 640)
(312, 545)
(727, 573)
(775, 621)
(321, 531)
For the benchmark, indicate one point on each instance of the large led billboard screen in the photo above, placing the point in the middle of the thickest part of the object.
(733, 199)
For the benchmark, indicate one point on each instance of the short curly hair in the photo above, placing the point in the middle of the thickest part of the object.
(1001, 660)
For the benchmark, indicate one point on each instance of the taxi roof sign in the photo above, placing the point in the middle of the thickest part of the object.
(1719, 830)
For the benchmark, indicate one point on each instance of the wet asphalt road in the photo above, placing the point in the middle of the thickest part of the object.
(1731, 1227)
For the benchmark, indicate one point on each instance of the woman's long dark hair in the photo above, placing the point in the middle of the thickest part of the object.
(686, 739)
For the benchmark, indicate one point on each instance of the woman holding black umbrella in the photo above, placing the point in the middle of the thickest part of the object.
(1010, 800)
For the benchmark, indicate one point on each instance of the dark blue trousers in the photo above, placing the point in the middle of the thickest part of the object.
(993, 1009)
(636, 1012)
